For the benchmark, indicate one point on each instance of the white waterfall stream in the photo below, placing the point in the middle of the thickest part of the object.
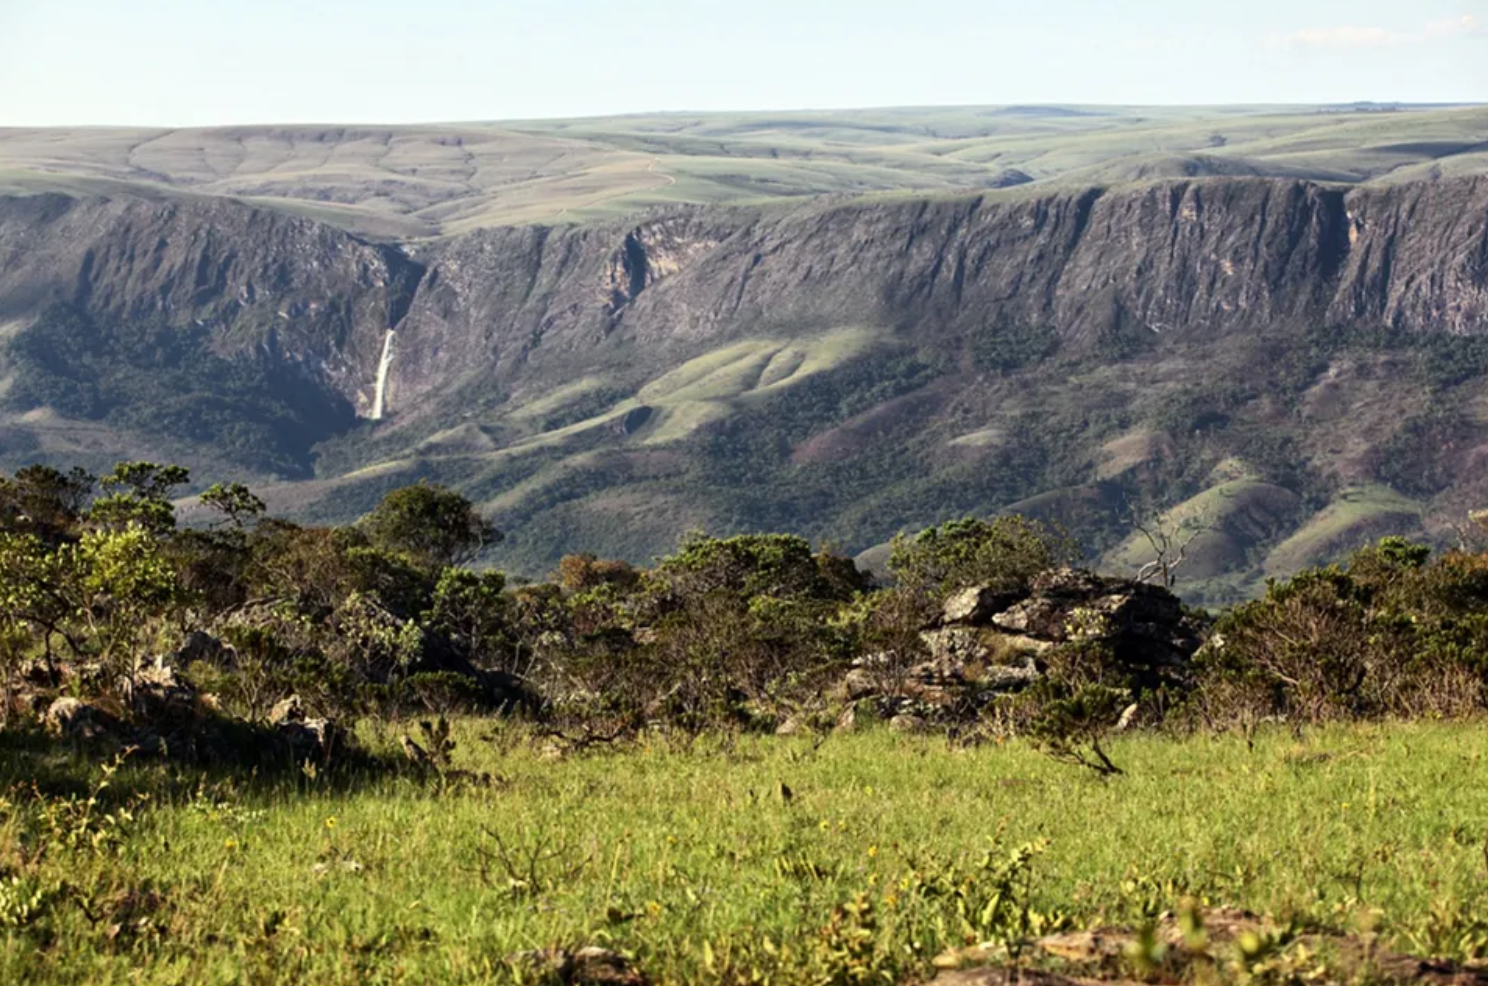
(383, 365)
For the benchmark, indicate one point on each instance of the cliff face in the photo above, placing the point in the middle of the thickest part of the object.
(1173, 258)
(1183, 259)
(303, 292)
(902, 311)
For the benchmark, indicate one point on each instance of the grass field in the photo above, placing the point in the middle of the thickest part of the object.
(691, 858)
(416, 182)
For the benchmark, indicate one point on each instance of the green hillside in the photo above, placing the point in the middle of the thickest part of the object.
(413, 182)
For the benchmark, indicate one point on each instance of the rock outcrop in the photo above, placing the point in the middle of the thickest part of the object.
(991, 642)
(164, 715)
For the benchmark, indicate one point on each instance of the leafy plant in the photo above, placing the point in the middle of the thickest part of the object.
(1071, 723)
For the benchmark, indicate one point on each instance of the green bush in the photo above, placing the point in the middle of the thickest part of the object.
(1004, 553)
(1389, 633)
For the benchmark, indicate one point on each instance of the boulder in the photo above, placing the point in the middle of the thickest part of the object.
(75, 719)
(905, 722)
(791, 726)
(953, 648)
(976, 606)
(848, 721)
(860, 683)
(161, 699)
(312, 739)
(1003, 678)
(201, 646)
(307, 738)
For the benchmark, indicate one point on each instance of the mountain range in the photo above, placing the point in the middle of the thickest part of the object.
(1265, 326)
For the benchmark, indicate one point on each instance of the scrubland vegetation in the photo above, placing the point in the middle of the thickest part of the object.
(254, 752)
(685, 857)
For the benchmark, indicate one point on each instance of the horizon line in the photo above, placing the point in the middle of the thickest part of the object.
(1091, 108)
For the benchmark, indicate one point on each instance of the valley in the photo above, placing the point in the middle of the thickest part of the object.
(1259, 326)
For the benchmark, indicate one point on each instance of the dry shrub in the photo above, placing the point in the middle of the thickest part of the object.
(1389, 633)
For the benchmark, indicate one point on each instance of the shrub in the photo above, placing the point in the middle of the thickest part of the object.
(1387, 633)
(1004, 552)
(430, 523)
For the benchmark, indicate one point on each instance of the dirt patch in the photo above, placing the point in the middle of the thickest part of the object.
(871, 427)
(1131, 451)
(1194, 946)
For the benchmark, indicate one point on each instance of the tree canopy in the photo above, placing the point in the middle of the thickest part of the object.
(433, 524)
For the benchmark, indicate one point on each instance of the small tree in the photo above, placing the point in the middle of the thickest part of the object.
(435, 525)
(781, 566)
(1004, 552)
(580, 573)
(1169, 541)
(139, 494)
(44, 501)
(24, 604)
(235, 502)
(1073, 720)
(121, 586)
(471, 609)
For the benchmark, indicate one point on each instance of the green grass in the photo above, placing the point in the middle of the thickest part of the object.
(661, 849)
(1354, 518)
(1209, 518)
(416, 182)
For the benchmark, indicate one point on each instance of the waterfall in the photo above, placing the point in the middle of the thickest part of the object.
(383, 365)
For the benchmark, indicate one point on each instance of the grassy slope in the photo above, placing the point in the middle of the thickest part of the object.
(411, 182)
(849, 437)
(657, 851)
(1354, 518)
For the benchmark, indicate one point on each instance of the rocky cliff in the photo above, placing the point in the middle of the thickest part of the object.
(532, 363)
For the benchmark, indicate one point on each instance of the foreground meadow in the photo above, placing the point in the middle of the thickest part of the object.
(854, 859)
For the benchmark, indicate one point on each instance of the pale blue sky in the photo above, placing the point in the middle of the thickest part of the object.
(199, 62)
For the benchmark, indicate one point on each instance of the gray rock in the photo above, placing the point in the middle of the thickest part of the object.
(907, 723)
(976, 606)
(307, 739)
(1038, 617)
(860, 683)
(954, 647)
(792, 726)
(1005, 678)
(75, 719)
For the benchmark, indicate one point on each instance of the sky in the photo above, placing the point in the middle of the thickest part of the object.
(213, 62)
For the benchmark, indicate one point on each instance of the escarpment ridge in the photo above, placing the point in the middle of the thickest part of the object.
(878, 362)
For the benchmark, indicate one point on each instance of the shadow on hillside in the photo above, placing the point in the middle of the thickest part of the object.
(248, 758)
